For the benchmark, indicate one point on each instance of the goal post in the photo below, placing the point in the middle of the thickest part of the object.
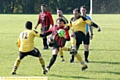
(91, 5)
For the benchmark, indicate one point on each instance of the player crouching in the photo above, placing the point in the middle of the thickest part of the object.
(26, 47)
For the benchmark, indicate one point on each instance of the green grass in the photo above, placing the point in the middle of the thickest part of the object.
(104, 51)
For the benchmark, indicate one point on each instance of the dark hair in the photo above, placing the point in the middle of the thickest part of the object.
(59, 9)
(28, 25)
(61, 20)
(43, 5)
(83, 7)
(76, 9)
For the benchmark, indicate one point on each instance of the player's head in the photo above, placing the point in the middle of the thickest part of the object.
(28, 25)
(60, 22)
(83, 10)
(43, 7)
(59, 12)
(76, 12)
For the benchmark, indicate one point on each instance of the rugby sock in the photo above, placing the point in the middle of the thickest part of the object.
(66, 49)
(16, 64)
(61, 54)
(52, 61)
(72, 57)
(86, 54)
(73, 42)
(80, 59)
(42, 62)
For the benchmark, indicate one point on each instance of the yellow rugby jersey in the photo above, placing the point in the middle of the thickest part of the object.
(27, 40)
(80, 24)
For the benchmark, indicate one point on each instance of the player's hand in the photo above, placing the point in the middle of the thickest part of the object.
(91, 37)
(99, 29)
(42, 35)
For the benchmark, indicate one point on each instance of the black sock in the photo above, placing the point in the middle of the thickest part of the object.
(72, 57)
(52, 61)
(86, 54)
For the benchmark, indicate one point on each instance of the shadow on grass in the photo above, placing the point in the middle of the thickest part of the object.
(104, 62)
(110, 72)
(104, 49)
(101, 49)
(74, 77)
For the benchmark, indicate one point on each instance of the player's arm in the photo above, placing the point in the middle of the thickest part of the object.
(90, 23)
(50, 18)
(69, 25)
(37, 22)
(48, 32)
(91, 31)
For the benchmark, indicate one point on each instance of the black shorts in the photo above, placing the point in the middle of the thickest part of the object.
(79, 38)
(43, 29)
(87, 39)
(34, 53)
(56, 44)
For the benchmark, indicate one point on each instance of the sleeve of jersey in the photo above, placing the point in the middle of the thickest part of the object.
(37, 34)
(89, 22)
(18, 42)
(48, 32)
(51, 19)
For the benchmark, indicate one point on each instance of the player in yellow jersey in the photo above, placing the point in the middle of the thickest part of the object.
(26, 46)
(79, 29)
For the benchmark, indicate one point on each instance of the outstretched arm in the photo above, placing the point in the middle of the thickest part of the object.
(90, 23)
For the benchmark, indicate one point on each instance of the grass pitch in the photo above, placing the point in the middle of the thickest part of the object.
(104, 51)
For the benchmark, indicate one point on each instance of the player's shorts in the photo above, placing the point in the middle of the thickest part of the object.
(43, 29)
(79, 38)
(56, 44)
(86, 39)
(34, 53)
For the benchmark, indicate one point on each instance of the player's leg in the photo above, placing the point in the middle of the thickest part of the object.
(86, 47)
(72, 58)
(79, 38)
(37, 53)
(45, 38)
(61, 52)
(78, 57)
(17, 62)
(73, 43)
(54, 53)
(53, 59)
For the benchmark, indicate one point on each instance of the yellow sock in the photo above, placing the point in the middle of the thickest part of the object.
(65, 49)
(73, 42)
(61, 53)
(80, 59)
(16, 64)
(42, 62)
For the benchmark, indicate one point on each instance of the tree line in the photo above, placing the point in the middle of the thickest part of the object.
(33, 6)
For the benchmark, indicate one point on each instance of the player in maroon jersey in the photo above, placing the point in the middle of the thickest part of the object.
(45, 19)
(55, 41)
